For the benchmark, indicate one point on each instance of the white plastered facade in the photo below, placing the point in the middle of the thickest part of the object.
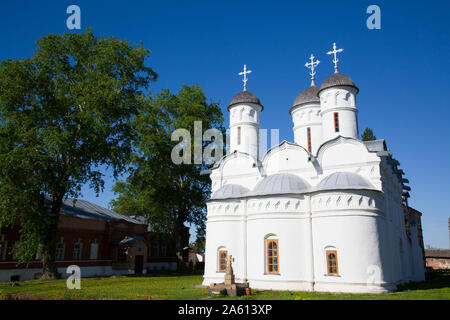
(363, 224)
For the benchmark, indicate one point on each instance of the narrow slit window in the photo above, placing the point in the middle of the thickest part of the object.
(308, 134)
(336, 122)
(332, 264)
(238, 135)
(223, 260)
(272, 256)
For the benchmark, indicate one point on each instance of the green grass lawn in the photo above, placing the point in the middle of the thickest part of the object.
(185, 286)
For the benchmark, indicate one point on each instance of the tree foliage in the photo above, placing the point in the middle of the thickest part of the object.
(169, 195)
(368, 135)
(63, 113)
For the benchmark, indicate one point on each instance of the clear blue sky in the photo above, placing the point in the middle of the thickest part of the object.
(402, 70)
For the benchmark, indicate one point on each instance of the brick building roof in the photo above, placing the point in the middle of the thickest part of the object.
(86, 210)
(437, 253)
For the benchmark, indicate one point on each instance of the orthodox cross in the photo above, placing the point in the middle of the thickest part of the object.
(335, 58)
(245, 72)
(229, 260)
(312, 65)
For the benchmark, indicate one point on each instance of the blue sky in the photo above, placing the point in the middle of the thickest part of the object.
(402, 70)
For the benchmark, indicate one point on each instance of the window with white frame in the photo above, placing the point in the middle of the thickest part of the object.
(94, 250)
(60, 250)
(77, 250)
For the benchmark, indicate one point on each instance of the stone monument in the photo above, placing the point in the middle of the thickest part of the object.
(229, 287)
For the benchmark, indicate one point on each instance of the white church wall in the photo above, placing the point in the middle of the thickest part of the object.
(345, 152)
(348, 222)
(304, 117)
(278, 220)
(224, 229)
(236, 168)
(288, 158)
(244, 128)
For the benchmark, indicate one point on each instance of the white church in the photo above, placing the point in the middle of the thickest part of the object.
(324, 213)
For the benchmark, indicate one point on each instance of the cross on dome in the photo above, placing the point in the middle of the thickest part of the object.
(335, 60)
(245, 72)
(312, 65)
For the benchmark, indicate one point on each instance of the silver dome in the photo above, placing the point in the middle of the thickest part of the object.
(344, 180)
(338, 79)
(280, 183)
(306, 96)
(245, 97)
(230, 191)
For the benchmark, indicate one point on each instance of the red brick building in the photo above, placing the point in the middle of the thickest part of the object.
(100, 241)
(438, 259)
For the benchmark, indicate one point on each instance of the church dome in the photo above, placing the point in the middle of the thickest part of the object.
(245, 97)
(230, 191)
(337, 79)
(306, 96)
(280, 183)
(344, 181)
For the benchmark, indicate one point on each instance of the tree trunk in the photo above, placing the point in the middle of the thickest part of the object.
(49, 270)
(179, 249)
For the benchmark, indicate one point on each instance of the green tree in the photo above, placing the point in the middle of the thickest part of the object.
(167, 194)
(199, 244)
(64, 112)
(368, 135)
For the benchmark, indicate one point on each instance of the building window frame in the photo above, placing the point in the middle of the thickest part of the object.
(94, 250)
(332, 262)
(155, 249)
(222, 261)
(60, 251)
(336, 121)
(272, 256)
(3, 248)
(77, 253)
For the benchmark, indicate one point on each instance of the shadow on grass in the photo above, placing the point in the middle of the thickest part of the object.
(435, 280)
(167, 273)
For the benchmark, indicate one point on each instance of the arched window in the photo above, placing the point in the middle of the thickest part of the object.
(272, 253)
(77, 250)
(3, 247)
(60, 250)
(94, 250)
(222, 265)
(336, 122)
(332, 263)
